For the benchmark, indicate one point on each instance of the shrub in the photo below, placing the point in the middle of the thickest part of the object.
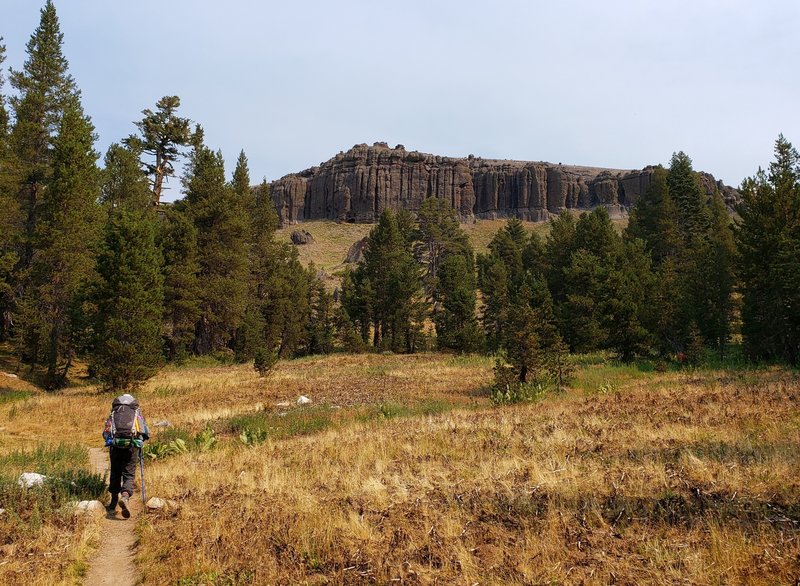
(508, 389)
(265, 361)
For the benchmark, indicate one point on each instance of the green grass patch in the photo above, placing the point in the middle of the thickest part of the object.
(591, 358)
(470, 361)
(11, 396)
(273, 425)
(390, 410)
(57, 460)
(69, 478)
(608, 377)
(164, 392)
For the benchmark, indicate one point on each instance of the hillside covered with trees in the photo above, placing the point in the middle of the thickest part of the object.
(93, 267)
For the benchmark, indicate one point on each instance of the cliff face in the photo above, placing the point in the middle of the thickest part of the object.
(357, 185)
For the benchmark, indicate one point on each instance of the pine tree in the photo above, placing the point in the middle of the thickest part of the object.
(497, 298)
(3, 111)
(654, 219)
(558, 248)
(249, 337)
(222, 226)
(358, 300)
(768, 238)
(440, 234)
(595, 233)
(687, 192)
(240, 181)
(450, 283)
(45, 90)
(64, 240)
(628, 297)
(163, 132)
(129, 298)
(10, 225)
(582, 312)
(129, 293)
(387, 283)
(289, 309)
(507, 245)
(124, 184)
(534, 348)
(456, 324)
(321, 330)
(177, 240)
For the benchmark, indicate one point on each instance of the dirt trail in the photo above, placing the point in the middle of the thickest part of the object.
(112, 564)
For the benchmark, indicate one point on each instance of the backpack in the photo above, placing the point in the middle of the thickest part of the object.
(125, 429)
(123, 426)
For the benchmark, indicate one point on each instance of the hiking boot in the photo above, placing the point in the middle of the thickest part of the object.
(123, 504)
(112, 506)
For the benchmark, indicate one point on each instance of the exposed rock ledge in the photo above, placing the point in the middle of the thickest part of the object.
(357, 185)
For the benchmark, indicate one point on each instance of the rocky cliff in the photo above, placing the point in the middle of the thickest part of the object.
(357, 185)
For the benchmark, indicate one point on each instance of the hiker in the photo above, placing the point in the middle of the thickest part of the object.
(125, 432)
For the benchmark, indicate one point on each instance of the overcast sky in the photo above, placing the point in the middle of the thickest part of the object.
(612, 83)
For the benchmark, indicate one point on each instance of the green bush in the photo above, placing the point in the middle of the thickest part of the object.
(508, 389)
(265, 361)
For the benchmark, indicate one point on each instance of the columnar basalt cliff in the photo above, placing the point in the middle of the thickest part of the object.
(357, 185)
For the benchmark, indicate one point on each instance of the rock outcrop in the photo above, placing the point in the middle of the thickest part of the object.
(357, 185)
(302, 237)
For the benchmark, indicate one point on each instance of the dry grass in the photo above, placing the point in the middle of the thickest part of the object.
(332, 240)
(632, 477)
(693, 479)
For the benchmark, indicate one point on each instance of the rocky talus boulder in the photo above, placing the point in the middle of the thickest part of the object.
(302, 237)
(356, 251)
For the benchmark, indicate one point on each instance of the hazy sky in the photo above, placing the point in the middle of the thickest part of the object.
(611, 83)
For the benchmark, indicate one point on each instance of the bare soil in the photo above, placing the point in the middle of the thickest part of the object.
(112, 564)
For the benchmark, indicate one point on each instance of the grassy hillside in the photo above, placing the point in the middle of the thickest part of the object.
(332, 240)
(400, 470)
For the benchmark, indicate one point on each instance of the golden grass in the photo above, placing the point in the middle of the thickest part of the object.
(656, 478)
(332, 240)
(694, 482)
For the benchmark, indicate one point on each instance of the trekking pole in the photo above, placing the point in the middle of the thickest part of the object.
(141, 468)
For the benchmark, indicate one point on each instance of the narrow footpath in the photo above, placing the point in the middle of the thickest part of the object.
(112, 563)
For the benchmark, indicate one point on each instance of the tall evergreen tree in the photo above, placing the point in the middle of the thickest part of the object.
(581, 313)
(177, 240)
(497, 298)
(321, 328)
(440, 234)
(241, 177)
(64, 246)
(163, 133)
(387, 283)
(456, 324)
(768, 237)
(129, 292)
(628, 299)
(3, 111)
(221, 224)
(124, 185)
(10, 225)
(654, 219)
(558, 248)
(450, 282)
(687, 192)
(45, 90)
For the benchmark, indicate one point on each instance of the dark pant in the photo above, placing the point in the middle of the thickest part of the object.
(123, 469)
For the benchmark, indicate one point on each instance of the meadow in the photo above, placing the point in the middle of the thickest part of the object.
(332, 240)
(400, 471)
